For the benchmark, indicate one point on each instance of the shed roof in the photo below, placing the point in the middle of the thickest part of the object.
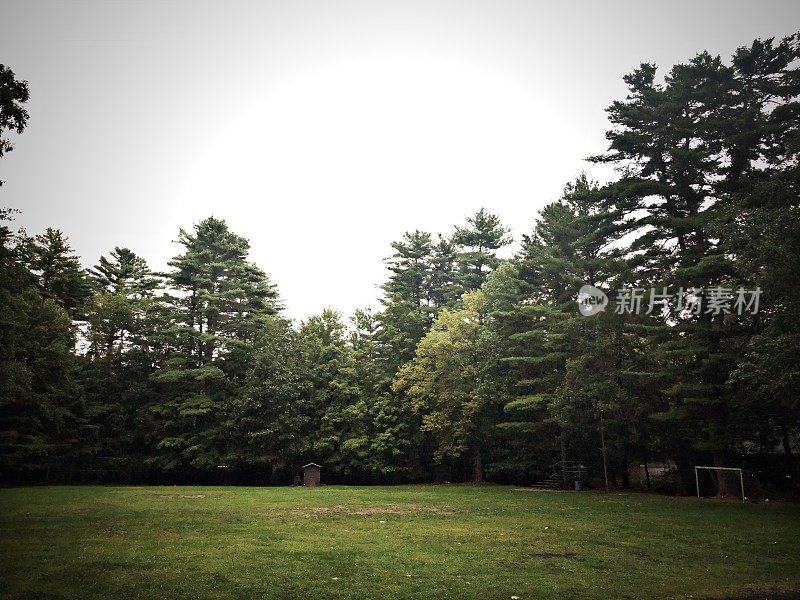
(312, 465)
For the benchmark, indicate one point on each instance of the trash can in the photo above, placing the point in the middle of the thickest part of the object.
(578, 485)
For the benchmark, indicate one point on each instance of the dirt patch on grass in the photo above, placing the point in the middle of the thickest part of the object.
(179, 496)
(763, 595)
(366, 511)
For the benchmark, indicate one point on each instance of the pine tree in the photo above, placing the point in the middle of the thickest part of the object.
(221, 304)
(384, 436)
(125, 296)
(689, 146)
(124, 273)
(543, 332)
(13, 116)
(38, 391)
(58, 270)
(268, 422)
(122, 318)
(476, 246)
(444, 288)
(761, 229)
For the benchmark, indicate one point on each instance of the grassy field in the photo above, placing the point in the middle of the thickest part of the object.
(388, 542)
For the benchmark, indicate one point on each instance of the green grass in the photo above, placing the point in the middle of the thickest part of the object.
(388, 542)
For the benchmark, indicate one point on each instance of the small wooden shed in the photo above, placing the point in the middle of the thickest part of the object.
(311, 474)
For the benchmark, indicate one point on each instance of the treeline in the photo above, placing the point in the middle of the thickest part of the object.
(474, 367)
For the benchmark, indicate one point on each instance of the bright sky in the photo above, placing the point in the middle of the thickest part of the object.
(323, 130)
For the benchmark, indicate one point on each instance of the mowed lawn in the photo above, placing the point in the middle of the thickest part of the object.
(389, 542)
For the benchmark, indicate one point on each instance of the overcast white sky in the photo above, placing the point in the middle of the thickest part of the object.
(324, 130)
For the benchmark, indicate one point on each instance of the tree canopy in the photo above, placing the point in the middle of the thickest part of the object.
(478, 363)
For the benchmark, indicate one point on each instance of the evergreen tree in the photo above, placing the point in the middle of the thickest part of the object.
(476, 246)
(125, 296)
(686, 145)
(58, 270)
(124, 273)
(38, 391)
(474, 366)
(221, 304)
(122, 319)
(543, 330)
(408, 307)
(13, 116)
(445, 289)
(383, 446)
(269, 421)
(760, 227)
(410, 269)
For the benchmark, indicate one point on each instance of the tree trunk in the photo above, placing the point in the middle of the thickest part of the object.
(646, 467)
(626, 477)
(477, 473)
(685, 468)
(728, 485)
(787, 446)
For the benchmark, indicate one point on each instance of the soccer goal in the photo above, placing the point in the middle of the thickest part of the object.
(721, 478)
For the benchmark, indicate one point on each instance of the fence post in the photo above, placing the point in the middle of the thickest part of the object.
(697, 481)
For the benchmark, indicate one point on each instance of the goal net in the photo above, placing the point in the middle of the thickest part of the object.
(726, 482)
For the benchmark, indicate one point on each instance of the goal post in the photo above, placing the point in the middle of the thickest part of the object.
(731, 470)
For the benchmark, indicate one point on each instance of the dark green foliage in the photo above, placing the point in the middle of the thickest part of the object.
(57, 269)
(474, 365)
(13, 116)
(360, 431)
(269, 421)
(37, 370)
(212, 321)
(476, 245)
(427, 276)
(695, 150)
